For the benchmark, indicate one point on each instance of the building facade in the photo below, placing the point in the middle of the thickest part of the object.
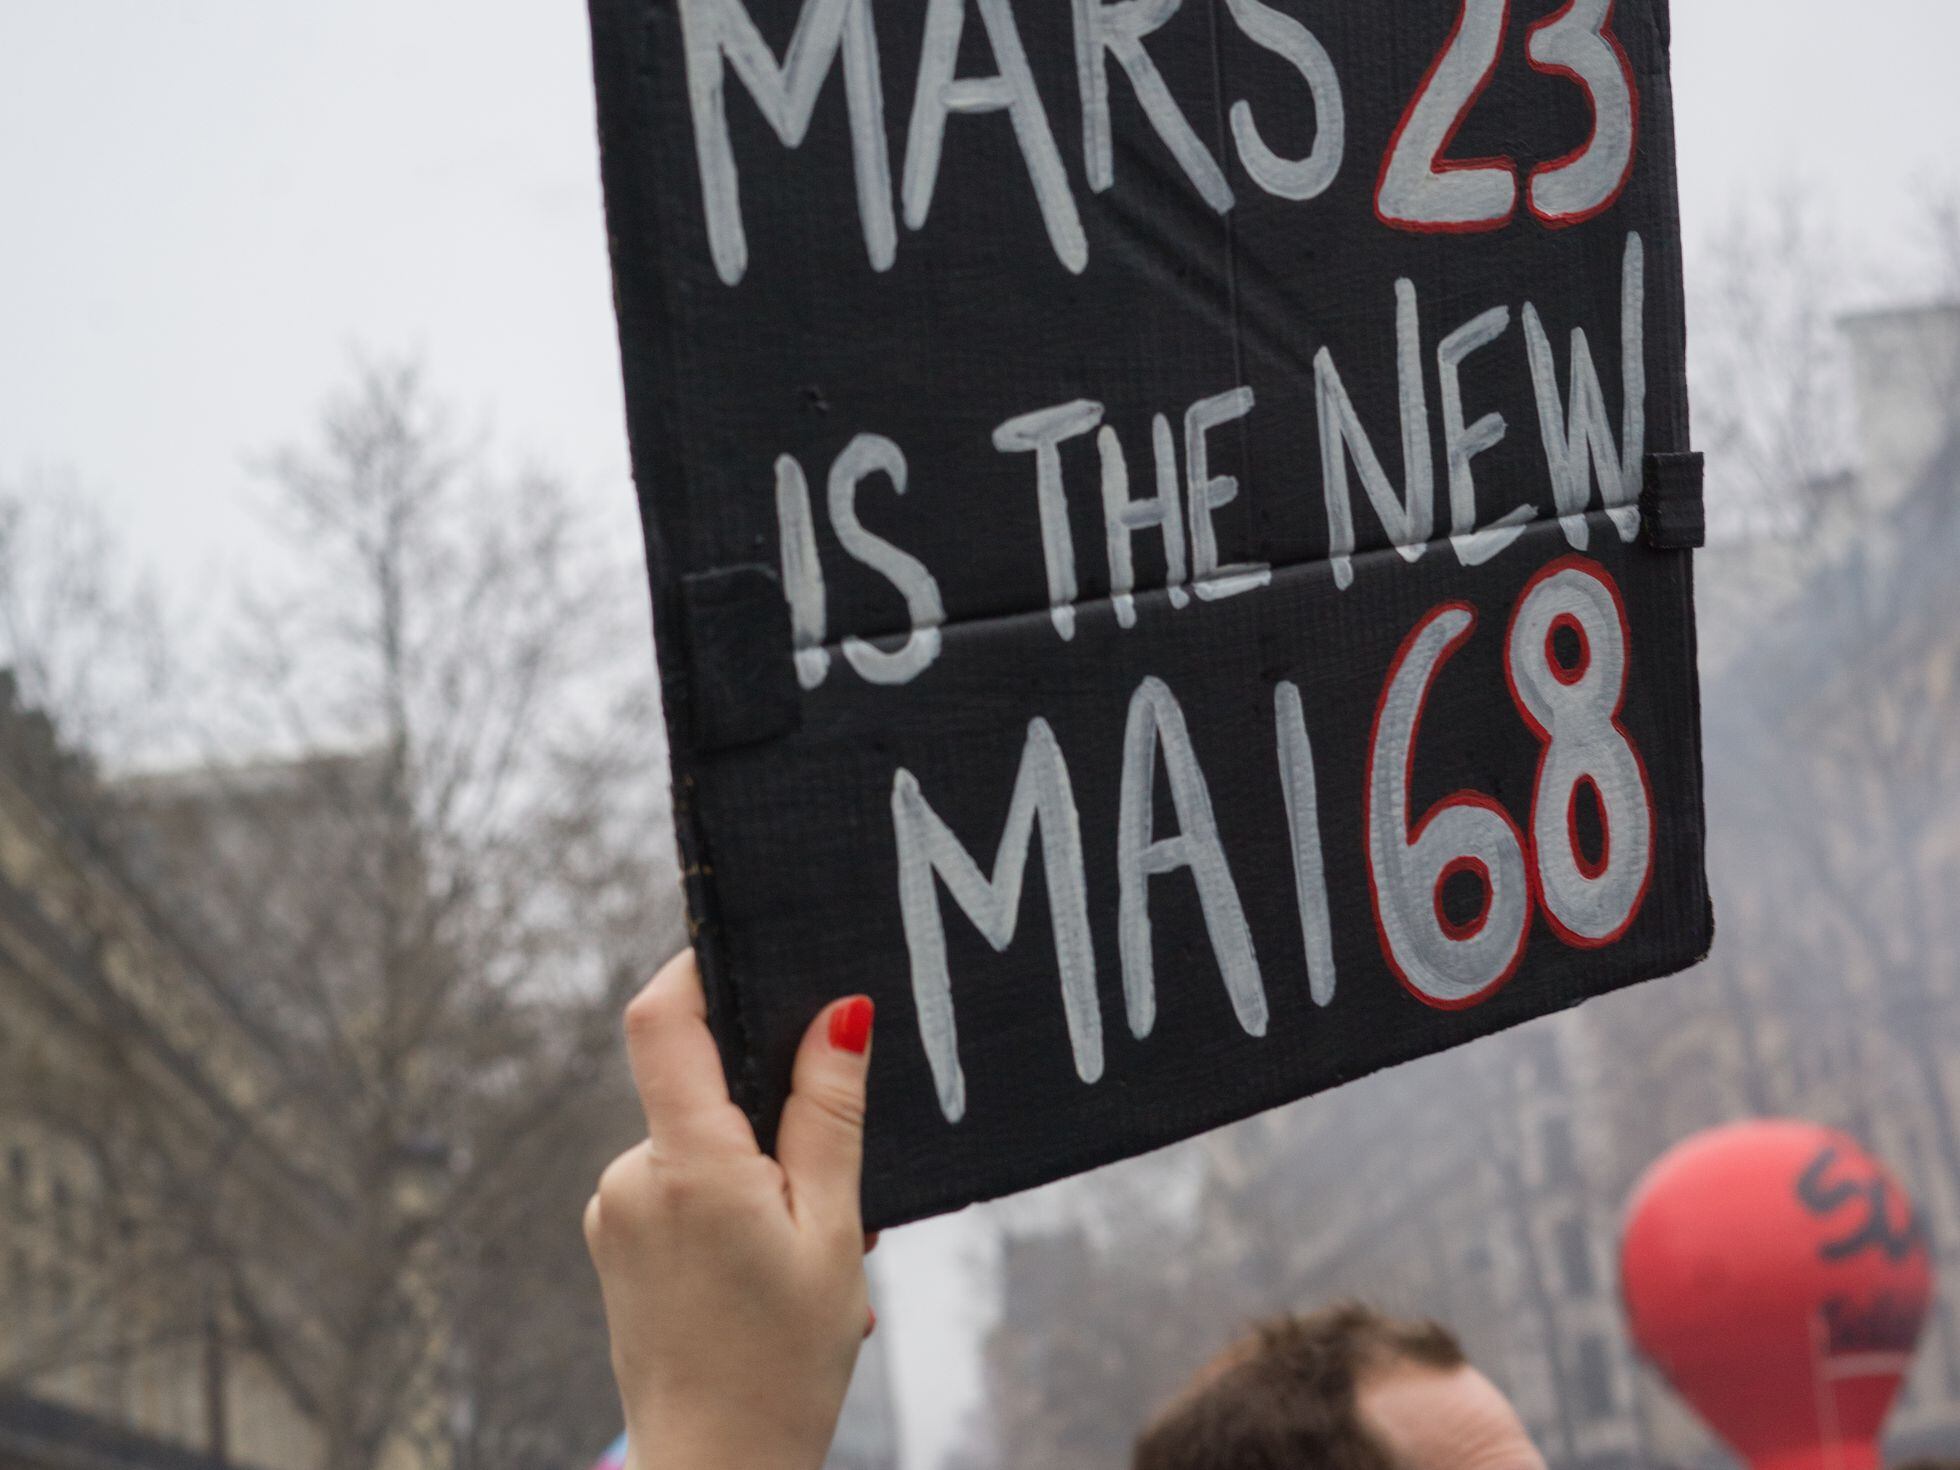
(122, 1073)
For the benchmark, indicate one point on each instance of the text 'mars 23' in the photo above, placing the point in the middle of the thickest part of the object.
(1170, 532)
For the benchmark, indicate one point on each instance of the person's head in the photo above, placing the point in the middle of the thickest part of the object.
(1342, 1389)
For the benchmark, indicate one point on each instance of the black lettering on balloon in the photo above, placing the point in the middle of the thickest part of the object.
(1823, 1199)
(1886, 1324)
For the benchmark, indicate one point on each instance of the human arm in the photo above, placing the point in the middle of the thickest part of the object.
(733, 1282)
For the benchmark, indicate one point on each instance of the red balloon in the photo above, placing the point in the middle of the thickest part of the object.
(1779, 1278)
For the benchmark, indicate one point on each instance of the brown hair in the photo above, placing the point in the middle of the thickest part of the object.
(1284, 1397)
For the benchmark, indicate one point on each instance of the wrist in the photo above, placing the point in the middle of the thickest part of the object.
(667, 1439)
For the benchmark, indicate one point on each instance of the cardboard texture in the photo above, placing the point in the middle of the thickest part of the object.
(1320, 781)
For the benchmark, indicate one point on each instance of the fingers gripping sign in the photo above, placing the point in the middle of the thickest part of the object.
(734, 1283)
(820, 1143)
(677, 1070)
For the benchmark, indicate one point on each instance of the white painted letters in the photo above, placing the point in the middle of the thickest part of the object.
(1474, 547)
(1157, 723)
(1289, 178)
(866, 455)
(1124, 517)
(1577, 432)
(1044, 432)
(1296, 779)
(718, 34)
(802, 573)
(940, 95)
(1208, 492)
(1410, 520)
(1105, 28)
(929, 853)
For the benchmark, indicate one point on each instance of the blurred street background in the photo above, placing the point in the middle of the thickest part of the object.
(333, 824)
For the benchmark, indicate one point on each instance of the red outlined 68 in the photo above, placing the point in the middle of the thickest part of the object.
(1569, 693)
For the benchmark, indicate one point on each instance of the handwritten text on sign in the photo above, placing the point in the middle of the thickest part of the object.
(1589, 897)
(1192, 451)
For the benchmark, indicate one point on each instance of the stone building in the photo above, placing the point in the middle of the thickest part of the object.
(122, 1072)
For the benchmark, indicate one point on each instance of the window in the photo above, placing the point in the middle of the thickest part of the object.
(1561, 1166)
(19, 1177)
(1551, 1071)
(1595, 1385)
(1575, 1256)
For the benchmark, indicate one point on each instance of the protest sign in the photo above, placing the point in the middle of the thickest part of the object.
(1169, 525)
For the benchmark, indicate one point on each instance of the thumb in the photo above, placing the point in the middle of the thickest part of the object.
(821, 1141)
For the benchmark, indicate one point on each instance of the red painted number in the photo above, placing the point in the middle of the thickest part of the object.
(1574, 709)
(1421, 189)
(1569, 691)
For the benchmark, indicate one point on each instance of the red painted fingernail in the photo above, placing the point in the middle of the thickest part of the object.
(850, 1025)
(870, 1320)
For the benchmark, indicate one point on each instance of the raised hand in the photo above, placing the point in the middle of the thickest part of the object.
(734, 1283)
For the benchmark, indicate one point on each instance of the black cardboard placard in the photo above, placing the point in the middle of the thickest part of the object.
(1144, 517)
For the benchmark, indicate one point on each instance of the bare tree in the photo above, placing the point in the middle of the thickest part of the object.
(1833, 757)
(86, 639)
(1768, 367)
(427, 866)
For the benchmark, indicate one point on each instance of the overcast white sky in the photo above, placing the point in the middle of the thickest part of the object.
(208, 206)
